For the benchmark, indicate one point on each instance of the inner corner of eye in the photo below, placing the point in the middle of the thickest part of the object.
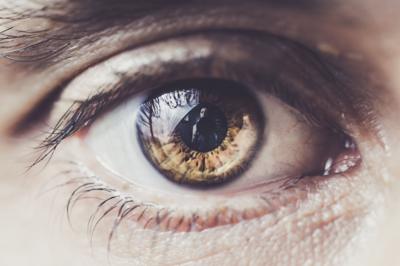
(205, 133)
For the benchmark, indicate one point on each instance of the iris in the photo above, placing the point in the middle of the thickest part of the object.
(200, 132)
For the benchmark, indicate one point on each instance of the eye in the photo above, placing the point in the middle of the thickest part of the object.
(208, 132)
(203, 132)
(182, 136)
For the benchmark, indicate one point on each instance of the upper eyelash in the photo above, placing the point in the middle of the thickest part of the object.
(82, 113)
(78, 115)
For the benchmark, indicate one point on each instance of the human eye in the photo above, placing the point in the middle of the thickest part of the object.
(205, 138)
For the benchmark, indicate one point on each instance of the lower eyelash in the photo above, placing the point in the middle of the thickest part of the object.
(121, 207)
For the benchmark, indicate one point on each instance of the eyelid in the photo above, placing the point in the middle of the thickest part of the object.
(149, 62)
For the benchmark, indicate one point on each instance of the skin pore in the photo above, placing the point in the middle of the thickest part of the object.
(45, 45)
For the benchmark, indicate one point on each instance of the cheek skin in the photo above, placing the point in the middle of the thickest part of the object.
(33, 228)
(322, 227)
(313, 230)
(384, 248)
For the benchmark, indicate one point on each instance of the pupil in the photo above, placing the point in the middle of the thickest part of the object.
(204, 128)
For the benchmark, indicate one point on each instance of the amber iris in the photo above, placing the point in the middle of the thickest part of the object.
(200, 132)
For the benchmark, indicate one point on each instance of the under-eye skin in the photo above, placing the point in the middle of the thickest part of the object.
(287, 106)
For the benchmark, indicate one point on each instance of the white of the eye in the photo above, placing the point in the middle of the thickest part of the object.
(290, 145)
(113, 139)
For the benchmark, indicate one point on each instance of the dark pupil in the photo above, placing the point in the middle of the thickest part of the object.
(203, 129)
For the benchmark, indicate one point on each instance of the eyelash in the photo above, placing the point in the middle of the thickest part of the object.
(82, 113)
(122, 205)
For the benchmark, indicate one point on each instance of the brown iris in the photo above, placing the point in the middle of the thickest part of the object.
(200, 132)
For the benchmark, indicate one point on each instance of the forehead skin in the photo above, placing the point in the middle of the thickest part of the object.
(375, 23)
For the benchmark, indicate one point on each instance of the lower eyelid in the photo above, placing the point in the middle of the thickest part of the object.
(130, 207)
(313, 205)
(302, 207)
(144, 215)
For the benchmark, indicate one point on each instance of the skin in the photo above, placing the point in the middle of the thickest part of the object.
(353, 221)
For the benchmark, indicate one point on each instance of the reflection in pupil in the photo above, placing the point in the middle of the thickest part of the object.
(204, 128)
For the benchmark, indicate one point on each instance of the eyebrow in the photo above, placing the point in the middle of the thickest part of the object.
(74, 19)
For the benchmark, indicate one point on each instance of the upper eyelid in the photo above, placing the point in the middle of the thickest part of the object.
(132, 38)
